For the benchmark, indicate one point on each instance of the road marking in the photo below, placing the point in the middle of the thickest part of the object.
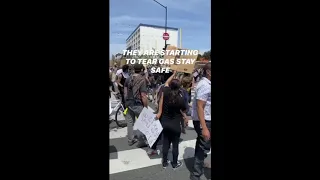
(138, 158)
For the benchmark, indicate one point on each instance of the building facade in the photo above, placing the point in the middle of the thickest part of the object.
(149, 37)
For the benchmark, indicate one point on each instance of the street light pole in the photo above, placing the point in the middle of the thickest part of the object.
(165, 41)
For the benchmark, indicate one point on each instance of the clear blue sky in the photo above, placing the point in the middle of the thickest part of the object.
(193, 16)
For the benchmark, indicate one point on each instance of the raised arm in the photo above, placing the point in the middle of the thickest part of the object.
(170, 79)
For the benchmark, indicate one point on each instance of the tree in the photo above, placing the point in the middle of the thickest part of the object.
(207, 54)
(198, 58)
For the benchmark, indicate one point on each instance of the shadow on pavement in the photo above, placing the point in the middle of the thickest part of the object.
(189, 162)
(113, 152)
(189, 128)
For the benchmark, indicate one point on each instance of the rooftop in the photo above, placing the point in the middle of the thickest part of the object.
(154, 26)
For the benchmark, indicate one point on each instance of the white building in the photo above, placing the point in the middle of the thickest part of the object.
(148, 37)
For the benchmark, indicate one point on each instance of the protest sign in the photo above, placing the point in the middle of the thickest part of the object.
(187, 68)
(147, 124)
(171, 66)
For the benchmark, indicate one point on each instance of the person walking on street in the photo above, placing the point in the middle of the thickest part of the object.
(201, 115)
(186, 86)
(153, 150)
(122, 75)
(170, 107)
(135, 93)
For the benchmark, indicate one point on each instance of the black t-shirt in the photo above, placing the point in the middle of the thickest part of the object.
(123, 80)
(171, 116)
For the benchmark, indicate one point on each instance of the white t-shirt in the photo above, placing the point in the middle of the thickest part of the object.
(125, 75)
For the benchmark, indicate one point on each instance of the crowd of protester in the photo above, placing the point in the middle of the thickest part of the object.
(171, 92)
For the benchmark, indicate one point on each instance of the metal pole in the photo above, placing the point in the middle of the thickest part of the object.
(165, 42)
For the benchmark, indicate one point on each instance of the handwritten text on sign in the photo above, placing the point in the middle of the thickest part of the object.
(147, 124)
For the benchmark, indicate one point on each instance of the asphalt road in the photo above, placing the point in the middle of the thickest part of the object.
(156, 172)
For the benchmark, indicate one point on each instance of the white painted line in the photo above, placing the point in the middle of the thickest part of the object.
(122, 132)
(138, 158)
(118, 133)
(190, 123)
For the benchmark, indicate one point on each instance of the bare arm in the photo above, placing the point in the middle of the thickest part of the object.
(118, 80)
(200, 110)
(160, 106)
(184, 115)
(170, 79)
(144, 99)
(143, 94)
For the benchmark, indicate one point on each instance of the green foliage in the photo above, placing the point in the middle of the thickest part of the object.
(207, 55)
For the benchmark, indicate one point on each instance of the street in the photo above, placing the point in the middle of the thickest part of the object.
(132, 163)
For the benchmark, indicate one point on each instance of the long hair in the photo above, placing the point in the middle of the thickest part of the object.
(175, 91)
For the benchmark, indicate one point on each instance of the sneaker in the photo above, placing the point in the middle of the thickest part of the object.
(179, 164)
(152, 152)
(165, 164)
(132, 142)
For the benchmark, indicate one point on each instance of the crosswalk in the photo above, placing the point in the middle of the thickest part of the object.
(132, 163)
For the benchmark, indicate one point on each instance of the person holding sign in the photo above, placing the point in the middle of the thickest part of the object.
(135, 93)
(170, 106)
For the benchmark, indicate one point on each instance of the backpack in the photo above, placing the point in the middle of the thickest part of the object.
(135, 84)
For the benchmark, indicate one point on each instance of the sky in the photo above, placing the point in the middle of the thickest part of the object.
(192, 16)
